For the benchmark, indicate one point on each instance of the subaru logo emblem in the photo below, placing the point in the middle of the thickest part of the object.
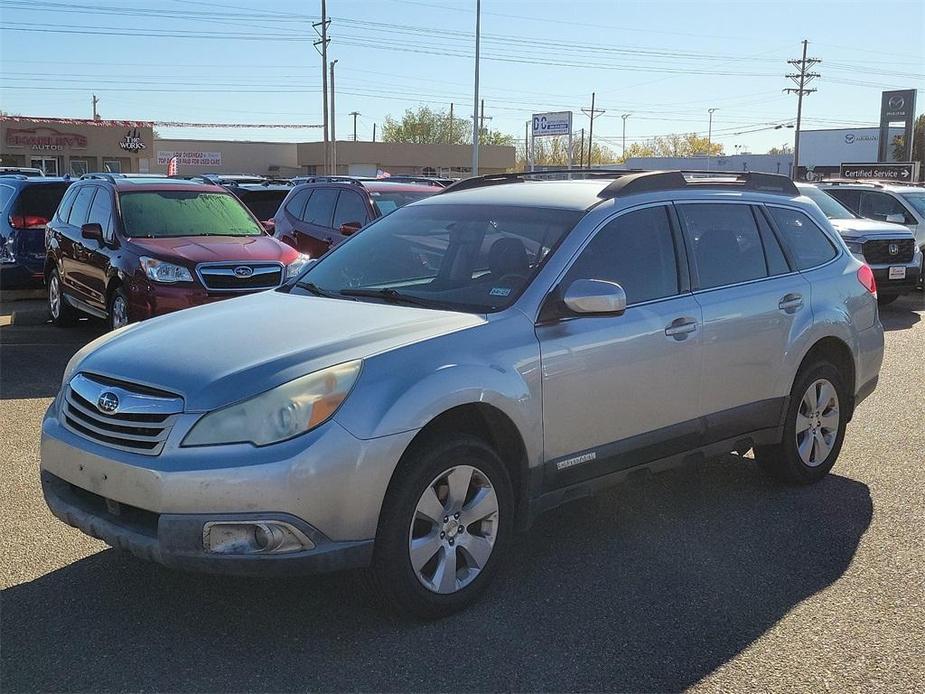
(243, 271)
(108, 402)
(894, 249)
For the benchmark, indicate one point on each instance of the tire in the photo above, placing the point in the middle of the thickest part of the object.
(117, 310)
(411, 583)
(61, 312)
(888, 299)
(824, 433)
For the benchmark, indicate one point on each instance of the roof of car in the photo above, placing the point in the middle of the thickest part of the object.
(34, 180)
(893, 186)
(153, 183)
(576, 195)
(374, 185)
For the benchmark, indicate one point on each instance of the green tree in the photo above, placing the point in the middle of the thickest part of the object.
(785, 148)
(674, 145)
(427, 126)
(553, 151)
(918, 142)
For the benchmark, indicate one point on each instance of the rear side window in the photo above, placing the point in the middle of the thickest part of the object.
(725, 243)
(39, 201)
(807, 242)
(296, 204)
(64, 209)
(849, 198)
(636, 250)
(81, 208)
(875, 205)
(773, 253)
(320, 207)
(350, 208)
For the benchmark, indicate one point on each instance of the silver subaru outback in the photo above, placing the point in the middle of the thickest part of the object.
(462, 365)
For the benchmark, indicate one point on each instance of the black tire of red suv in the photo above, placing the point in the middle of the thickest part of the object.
(118, 298)
(61, 312)
(783, 460)
(391, 577)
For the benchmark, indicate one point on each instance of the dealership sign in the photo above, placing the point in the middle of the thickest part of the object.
(132, 141)
(44, 139)
(906, 171)
(190, 158)
(557, 123)
(896, 107)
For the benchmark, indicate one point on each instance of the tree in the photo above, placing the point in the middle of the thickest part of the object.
(553, 151)
(785, 148)
(426, 126)
(674, 145)
(918, 142)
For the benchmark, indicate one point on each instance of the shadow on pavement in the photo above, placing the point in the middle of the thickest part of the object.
(903, 313)
(649, 587)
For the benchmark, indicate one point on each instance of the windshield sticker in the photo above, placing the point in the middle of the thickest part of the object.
(499, 291)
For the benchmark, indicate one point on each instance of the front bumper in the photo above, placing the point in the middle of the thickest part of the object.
(327, 484)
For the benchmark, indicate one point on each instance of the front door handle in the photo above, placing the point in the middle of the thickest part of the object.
(679, 328)
(790, 303)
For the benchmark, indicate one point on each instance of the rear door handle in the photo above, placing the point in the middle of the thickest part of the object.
(679, 328)
(790, 303)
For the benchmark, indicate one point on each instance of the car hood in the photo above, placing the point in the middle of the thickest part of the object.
(221, 353)
(203, 249)
(870, 228)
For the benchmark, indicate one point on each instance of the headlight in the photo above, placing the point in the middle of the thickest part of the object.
(161, 271)
(279, 414)
(297, 265)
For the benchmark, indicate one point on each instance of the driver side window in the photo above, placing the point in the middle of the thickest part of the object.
(636, 250)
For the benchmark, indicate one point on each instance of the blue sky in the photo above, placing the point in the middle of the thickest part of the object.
(666, 63)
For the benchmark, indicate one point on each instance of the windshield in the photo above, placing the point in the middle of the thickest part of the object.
(830, 207)
(457, 257)
(160, 213)
(392, 200)
(916, 199)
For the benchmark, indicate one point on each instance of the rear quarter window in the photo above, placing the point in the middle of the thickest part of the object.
(808, 244)
(40, 200)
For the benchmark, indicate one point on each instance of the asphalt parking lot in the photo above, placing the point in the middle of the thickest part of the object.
(709, 577)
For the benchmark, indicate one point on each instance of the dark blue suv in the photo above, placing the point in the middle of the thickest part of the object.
(26, 205)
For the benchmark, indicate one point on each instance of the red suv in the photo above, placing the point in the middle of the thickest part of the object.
(126, 249)
(324, 211)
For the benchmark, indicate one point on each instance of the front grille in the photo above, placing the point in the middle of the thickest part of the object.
(140, 424)
(878, 251)
(240, 277)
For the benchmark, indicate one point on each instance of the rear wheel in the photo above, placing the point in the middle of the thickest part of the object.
(814, 427)
(62, 313)
(444, 523)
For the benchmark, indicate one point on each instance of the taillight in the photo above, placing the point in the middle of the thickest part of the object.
(866, 278)
(27, 221)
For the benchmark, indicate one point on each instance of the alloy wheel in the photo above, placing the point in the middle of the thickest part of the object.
(454, 529)
(817, 422)
(119, 312)
(54, 297)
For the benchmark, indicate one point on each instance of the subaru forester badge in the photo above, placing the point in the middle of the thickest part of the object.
(108, 402)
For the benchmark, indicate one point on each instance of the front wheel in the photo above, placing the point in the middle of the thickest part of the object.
(118, 309)
(62, 313)
(814, 428)
(445, 521)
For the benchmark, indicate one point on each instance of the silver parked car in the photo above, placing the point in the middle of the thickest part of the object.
(464, 364)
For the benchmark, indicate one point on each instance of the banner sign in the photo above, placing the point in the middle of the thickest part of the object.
(906, 171)
(556, 123)
(896, 107)
(190, 158)
(44, 139)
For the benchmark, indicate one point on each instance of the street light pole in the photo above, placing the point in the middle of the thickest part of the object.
(475, 99)
(710, 129)
(333, 136)
(624, 117)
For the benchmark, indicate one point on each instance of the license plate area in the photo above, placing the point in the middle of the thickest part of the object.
(897, 273)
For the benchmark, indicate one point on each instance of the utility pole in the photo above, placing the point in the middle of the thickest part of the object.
(475, 100)
(592, 113)
(624, 117)
(323, 50)
(801, 79)
(483, 118)
(449, 133)
(374, 132)
(710, 127)
(581, 150)
(355, 114)
(96, 100)
(333, 136)
(526, 145)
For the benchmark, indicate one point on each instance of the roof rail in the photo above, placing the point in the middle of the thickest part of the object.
(334, 179)
(521, 176)
(652, 181)
(100, 175)
(399, 178)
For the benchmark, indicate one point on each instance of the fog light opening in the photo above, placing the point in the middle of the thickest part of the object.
(253, 537)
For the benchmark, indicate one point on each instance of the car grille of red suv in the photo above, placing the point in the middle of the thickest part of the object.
(240, 277)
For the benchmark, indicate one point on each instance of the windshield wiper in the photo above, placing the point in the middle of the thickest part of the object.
(318, 291)
(388, 294)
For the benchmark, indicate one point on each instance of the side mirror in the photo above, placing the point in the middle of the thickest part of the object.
(896, 218)
(348, 228)
(595, 296)
(92, 231)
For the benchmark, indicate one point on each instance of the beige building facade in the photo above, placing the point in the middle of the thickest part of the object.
(76, 146)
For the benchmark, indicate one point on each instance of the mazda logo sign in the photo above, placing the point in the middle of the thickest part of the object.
(108, 402)
(849, 138)
(894, 249)
(243, 271)
(896, 102)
